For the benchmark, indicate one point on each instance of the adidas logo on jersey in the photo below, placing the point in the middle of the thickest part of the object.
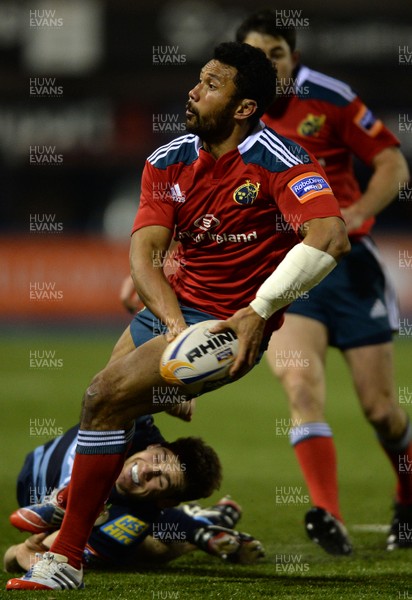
(176, 193)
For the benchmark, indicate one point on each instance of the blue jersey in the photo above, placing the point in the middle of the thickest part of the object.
(50, 466)
(128, 522)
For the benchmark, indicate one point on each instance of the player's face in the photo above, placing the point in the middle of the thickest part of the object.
(212, 102)
(154, 473)
(278, 52)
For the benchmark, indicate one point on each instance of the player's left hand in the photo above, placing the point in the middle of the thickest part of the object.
(250, 550)
(229, 545)
(129, 297)
(248, 326)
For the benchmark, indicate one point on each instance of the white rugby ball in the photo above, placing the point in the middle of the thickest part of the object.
(199, 360)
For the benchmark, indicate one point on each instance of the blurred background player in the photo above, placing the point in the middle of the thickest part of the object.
(140, 523)
(354, 309)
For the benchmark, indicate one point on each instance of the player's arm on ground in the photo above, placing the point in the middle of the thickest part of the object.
(149, 245)
(153, 551)
(390, 170)
(227, 544)
(21, 556)
(304, 266)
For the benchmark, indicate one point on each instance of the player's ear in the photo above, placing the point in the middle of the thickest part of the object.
(246, 108)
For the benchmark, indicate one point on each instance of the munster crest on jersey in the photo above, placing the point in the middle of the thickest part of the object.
(311, 125)
(246, 193)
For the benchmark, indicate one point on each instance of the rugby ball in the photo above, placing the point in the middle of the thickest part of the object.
(199, 360)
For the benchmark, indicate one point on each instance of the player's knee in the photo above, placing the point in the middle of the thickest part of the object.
(382, 416)
(287, 375)
(294, 368)
(303, 402)
(299, 385)
(97, 399)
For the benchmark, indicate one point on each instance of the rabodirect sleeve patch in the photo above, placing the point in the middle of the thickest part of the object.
(367, 121)
(309, 185)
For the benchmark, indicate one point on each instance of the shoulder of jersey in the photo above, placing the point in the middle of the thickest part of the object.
(272, 151)
(312, 85)
(183, 149)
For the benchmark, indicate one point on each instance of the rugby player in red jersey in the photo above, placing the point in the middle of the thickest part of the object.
(355, 308)
(231, 181)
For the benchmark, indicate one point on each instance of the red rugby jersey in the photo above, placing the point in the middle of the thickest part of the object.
(327, 118)
(236, 217)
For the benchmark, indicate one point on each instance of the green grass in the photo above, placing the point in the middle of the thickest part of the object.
(244, 423)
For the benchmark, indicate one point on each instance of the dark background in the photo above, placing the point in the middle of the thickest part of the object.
(106, 92)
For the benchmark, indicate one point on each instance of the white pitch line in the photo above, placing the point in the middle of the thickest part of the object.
(372, 528)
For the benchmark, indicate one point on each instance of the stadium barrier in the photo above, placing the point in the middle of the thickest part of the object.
(57, 277)
(52, 277)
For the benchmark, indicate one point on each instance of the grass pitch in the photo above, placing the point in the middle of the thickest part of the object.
(247, 424)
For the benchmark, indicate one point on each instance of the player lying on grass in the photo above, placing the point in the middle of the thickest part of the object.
(139, 523)
(234, 184)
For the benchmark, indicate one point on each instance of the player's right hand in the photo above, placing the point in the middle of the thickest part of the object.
(174, 327)
(249, 327)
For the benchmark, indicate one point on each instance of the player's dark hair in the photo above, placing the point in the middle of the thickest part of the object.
(255, 77)
(266, 21)
(200, 465)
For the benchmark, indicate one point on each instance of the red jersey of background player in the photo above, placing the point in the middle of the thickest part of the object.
(325, 116)
(235, 217)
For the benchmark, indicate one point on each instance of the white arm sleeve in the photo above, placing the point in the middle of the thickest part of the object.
(302, 268)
